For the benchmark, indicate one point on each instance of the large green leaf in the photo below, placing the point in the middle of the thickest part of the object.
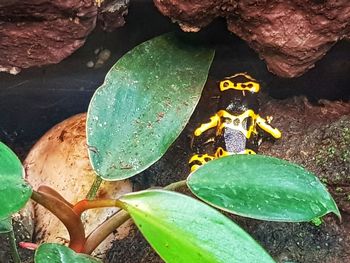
(182, 230)
(56, 253)
(262, 187)
(14, 191)
(6, 225)
(143, 105)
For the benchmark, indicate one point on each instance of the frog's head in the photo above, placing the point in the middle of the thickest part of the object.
(240, 81)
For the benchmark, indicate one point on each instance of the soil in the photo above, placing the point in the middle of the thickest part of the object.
(21, 234)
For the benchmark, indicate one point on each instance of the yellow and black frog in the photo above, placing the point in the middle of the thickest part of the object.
(233, 128)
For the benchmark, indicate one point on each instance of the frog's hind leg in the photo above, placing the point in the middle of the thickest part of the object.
(198, 160)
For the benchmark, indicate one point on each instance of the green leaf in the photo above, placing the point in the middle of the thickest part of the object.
(5, 225)
(182, 230)
(145, 102)
(56, 253)
(14, 191)
(262, 187)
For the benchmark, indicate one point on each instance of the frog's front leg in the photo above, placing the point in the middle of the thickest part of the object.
(198, 160)
(214, 122)
(262, 123)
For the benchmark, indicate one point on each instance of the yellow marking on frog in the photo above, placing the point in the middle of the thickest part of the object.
(247, 151)
(195, 167)
(252, 85)
(220, 152)
(231, 122)
(201, 158)
(263, 124)
(236, 123)
(214, 121)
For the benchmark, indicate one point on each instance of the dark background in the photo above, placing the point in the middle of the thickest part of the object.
(38, 98)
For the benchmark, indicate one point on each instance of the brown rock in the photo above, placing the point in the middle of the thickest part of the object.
(289, 35)
(41, 32)
(111, 14)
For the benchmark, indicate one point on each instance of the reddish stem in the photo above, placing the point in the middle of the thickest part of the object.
(85, 204)
(67, 216)
(48, 190)
(99, 234)
(28, 245)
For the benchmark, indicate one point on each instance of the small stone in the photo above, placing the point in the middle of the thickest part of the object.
(96, 51)
(90, 64)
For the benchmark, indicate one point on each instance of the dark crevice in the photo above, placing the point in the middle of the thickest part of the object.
(28, 14)
(20, 19)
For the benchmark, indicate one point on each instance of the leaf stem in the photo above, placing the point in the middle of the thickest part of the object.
(85, 204)
(14, 252)
(175, 186)
(48, 190)
(104, 230)
(94, 188)
(67, 216)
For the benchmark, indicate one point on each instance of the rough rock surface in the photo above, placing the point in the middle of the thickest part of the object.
(40, 32)
(111, 14)
(289, 35)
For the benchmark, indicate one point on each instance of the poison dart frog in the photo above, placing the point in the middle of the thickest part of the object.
(233, 129)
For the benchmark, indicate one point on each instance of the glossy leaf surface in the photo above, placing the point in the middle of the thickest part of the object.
(56, 253)
(14, 191)
(145, 102)
(182, 230)
(262, 187)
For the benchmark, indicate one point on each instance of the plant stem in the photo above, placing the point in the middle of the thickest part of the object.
(104, 230)
(175, 186)
(28, 245)
(94, 188)
(48, 190)
(13, 247)
(67, 216)
(84, 205)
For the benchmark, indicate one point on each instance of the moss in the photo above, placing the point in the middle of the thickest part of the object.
(339, 189)
(333, 154)
(324, 180)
